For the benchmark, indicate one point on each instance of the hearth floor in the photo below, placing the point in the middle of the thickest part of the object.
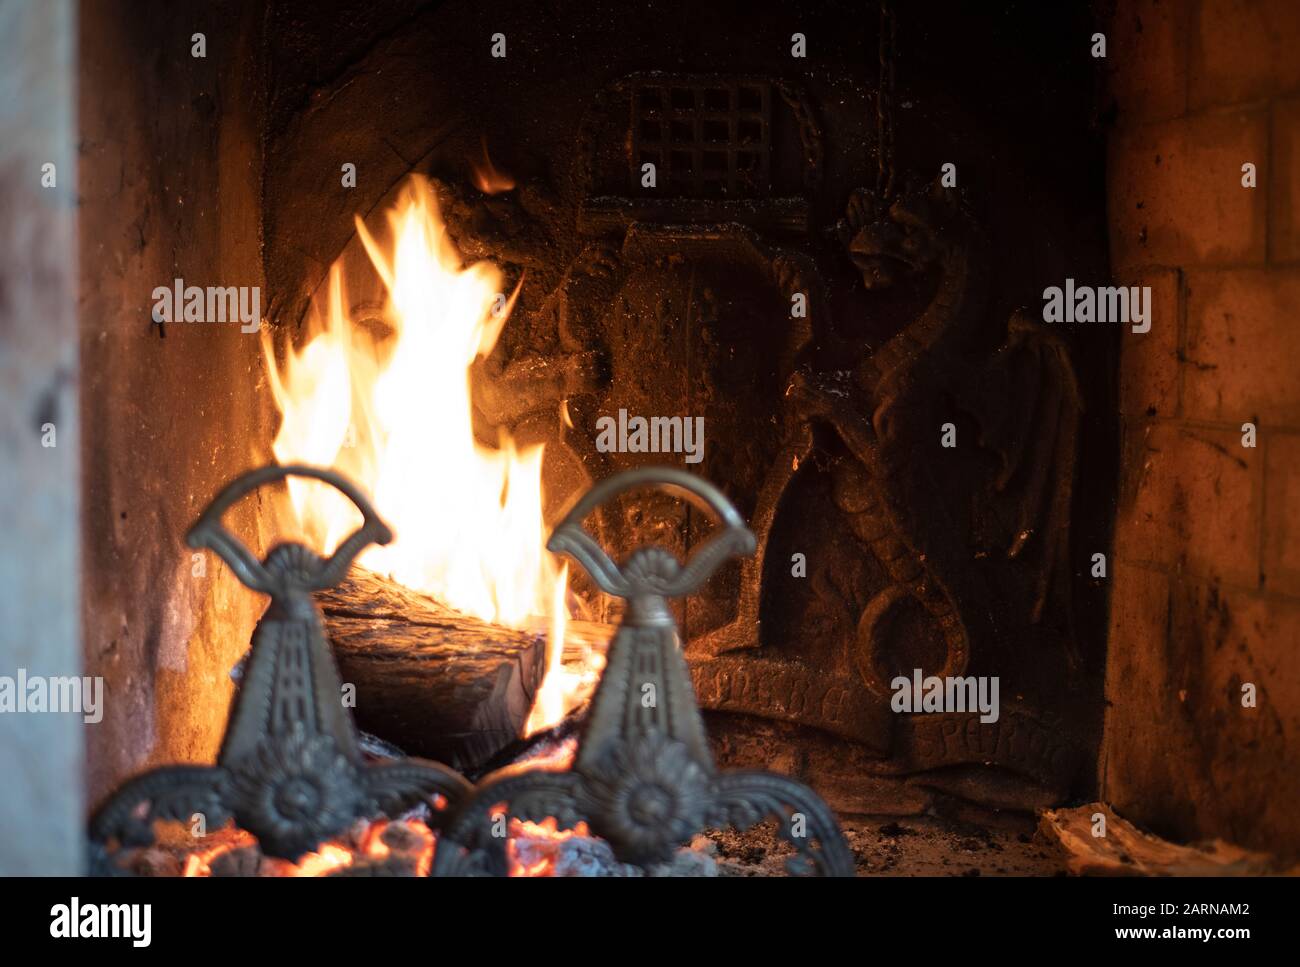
(887, 846)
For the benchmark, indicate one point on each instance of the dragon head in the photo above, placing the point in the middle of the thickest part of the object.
(888, 238)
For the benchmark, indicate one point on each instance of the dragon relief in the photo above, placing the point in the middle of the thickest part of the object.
(977, 534)
(964, 550)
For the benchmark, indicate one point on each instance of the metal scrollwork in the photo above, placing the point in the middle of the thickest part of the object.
(290, 770)
(644, 778)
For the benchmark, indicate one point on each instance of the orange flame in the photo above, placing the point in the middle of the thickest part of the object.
(487, 178)
(395, 414)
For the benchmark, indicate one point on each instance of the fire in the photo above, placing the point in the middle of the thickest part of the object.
(364, 846)
(330, 857)
(394, 413)
(532, 847)
(487, 178)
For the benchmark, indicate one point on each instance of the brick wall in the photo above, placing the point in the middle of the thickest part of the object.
(1205, 589)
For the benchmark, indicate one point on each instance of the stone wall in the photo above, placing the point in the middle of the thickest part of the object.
(40, 754)
(1206, 582)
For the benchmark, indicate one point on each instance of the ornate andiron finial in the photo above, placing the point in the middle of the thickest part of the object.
(643, 777)
(290, 769)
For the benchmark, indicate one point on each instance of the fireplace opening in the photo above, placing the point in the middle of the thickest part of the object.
(900, 281)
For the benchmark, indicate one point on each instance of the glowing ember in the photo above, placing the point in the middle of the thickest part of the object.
(199, 862)
(410, 843)
(533, 848)
(330, 858)
(394, 413)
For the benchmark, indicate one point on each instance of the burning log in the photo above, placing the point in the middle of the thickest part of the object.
(433, 681)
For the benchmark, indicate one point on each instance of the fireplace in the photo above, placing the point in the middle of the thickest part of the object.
(479, 260)
(792, 264)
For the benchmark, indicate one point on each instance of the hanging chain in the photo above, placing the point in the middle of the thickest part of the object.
(885, 103)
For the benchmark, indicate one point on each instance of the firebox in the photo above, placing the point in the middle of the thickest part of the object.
(473, 262)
